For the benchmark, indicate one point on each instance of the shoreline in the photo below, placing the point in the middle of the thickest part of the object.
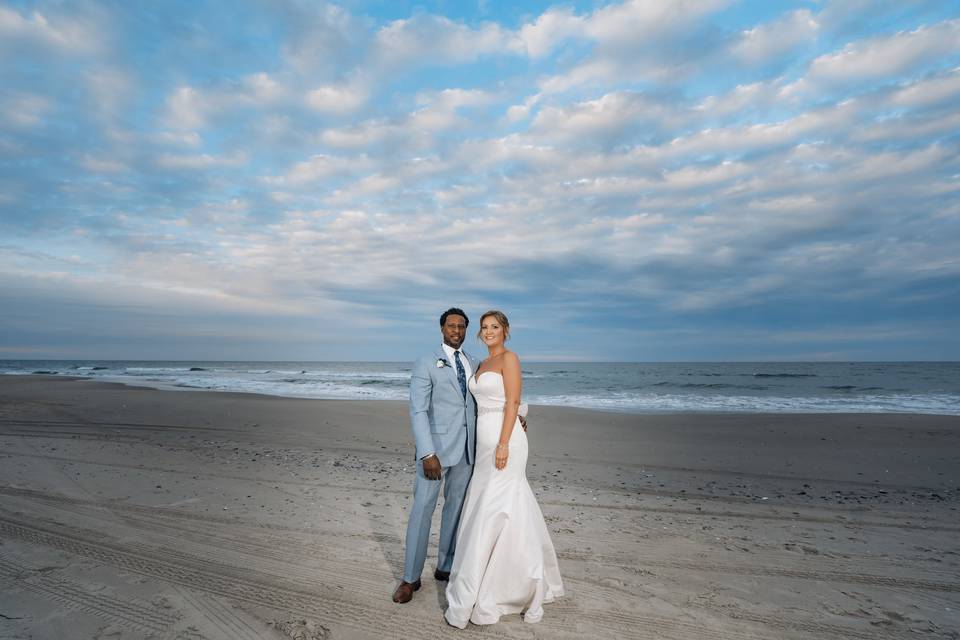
(159, 386)
(194, 515)
(637, 388)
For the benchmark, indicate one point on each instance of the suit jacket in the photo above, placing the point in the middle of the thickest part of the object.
(443, 420)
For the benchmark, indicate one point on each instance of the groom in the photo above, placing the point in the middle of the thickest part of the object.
(444, 419)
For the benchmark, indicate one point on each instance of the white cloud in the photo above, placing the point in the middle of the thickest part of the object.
(440, 108)
(437, 111)
(737, 139)
(262, 88)
(742, 98)
(450, 99)
(200, 161)
(365, 187)
(928, 91)
(23, 110)
(706, 177)
(73, 35)
(550, 29)
(615, 116)
(190, 108)
(907, 128)
(322, 38)
(880, 166)
(429, 39)
(521, 111)
(338, 99)
(766, 42)
(360, 135)
(887, 56)
(592, 72)
(318, 168)
(187, 109)
(639, 40)
(631, 23)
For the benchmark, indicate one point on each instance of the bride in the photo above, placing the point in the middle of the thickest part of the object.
(505, 562)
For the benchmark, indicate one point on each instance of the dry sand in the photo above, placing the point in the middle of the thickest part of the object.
(135, 513)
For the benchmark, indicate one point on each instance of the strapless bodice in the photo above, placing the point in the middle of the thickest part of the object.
(488, 390)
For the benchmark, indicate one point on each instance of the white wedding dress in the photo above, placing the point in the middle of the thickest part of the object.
(504, 561)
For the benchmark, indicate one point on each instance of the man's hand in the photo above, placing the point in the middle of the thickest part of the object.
(431, 467)
(523, 422)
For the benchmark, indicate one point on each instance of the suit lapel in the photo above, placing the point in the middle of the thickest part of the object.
(451, 370)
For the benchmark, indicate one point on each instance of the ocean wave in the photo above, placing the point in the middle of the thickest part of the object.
(289, 388)
(354, 375)
(781, 375)
(710, 385)
(385, 382)
(670, 403)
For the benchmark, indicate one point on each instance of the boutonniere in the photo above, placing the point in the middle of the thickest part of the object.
(441, 363)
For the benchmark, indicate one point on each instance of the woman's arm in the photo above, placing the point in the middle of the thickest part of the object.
(512, 387)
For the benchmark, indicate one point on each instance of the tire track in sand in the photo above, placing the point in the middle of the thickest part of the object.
(371, 613)
(819, 574)
(132, 614)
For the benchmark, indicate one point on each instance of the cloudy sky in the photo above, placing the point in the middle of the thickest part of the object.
(649, 180)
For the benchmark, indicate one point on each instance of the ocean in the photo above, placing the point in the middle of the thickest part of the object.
(778, 387)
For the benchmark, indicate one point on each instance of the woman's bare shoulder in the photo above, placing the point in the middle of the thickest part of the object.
(509, 359)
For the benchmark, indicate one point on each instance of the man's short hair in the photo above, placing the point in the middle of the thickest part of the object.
(453, 311)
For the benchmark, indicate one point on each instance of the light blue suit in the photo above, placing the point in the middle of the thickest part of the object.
(444, 422)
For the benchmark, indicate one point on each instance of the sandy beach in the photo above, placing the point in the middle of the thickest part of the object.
(137, 513)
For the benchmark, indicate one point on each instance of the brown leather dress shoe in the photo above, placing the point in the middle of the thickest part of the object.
(404, 592)
(442, 576)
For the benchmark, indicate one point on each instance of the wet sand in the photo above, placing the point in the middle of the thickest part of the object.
(138, 513)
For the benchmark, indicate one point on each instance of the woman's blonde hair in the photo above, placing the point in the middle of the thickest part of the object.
(501, 318)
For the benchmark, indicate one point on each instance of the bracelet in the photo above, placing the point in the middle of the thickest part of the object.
(503, 446)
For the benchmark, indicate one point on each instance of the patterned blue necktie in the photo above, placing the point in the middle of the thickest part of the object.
(461, 374)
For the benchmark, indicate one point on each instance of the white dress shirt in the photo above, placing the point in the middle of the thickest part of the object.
(453, 361)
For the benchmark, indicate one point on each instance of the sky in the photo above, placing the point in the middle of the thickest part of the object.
(659, 180)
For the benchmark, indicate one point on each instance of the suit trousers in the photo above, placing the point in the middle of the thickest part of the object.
(455, 480)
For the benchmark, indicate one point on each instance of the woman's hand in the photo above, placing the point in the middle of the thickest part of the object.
(503, 451)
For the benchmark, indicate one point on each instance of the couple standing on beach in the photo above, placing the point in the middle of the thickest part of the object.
(464, 417)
